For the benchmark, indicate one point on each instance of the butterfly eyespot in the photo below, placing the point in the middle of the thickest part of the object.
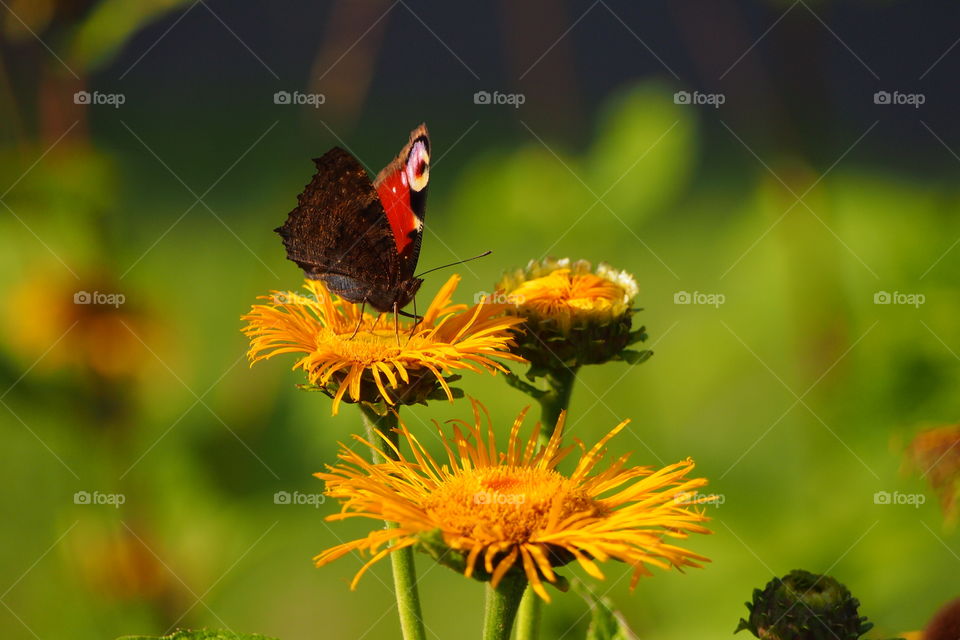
(418, 167)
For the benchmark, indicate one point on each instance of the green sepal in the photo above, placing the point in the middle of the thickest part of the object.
(640, 335)
(432, 544)
(634, 357)
(309, 386)
(514, 381)
(423, 386)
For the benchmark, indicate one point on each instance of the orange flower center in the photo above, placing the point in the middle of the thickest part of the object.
(506, 504)
(562, 291)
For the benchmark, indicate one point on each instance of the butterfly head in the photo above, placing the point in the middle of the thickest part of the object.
(387, 300)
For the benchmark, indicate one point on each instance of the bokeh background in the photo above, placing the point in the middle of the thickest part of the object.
(791, 206)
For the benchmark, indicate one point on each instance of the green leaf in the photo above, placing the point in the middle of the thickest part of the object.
(606, 623)
(514, 381)
(202, 634)
(635, 357)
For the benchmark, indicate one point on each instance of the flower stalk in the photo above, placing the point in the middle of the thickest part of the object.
(574, 314)
(529, 615)
(556, 400)
(501, 606)
(401, 561)
(553, 402)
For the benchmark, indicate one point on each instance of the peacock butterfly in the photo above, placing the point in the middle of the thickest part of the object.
(362, 238)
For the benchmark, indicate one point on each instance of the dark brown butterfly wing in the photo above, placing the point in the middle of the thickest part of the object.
(339, 228)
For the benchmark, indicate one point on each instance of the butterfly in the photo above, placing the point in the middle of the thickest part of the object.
(362, 238)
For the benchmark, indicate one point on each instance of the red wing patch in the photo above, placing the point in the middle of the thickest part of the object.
(394, 193)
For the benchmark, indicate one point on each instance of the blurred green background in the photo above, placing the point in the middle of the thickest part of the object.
(795, 202)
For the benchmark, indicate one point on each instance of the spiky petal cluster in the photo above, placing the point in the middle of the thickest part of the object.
(575, 314)
(513, 510)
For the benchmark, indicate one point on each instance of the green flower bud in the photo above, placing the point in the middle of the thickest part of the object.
(804, 606)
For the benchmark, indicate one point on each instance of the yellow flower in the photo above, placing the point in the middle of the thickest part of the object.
(570, 292)
(59, 322)
(356, 356)
(514, 510)
(574, 314)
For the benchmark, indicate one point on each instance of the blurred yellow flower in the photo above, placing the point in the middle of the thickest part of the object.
(60, 322)
(936, 454)
(356, 356)
(514, 509)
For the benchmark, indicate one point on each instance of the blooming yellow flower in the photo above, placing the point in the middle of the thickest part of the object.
(514, 509)
(574, 313)
(570, 293)
(356, 356)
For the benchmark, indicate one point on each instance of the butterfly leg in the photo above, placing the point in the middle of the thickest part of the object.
(359, 321)
(396, 323)
(417, 319)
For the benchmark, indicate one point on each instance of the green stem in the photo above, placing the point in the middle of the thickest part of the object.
(557, 397)
(402, 561)
(528, 618)
(552, 403)
(501, 607)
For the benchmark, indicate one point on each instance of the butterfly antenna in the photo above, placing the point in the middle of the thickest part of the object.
(453, 264)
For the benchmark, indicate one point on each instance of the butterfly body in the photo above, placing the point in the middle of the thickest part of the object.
(361, 237)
